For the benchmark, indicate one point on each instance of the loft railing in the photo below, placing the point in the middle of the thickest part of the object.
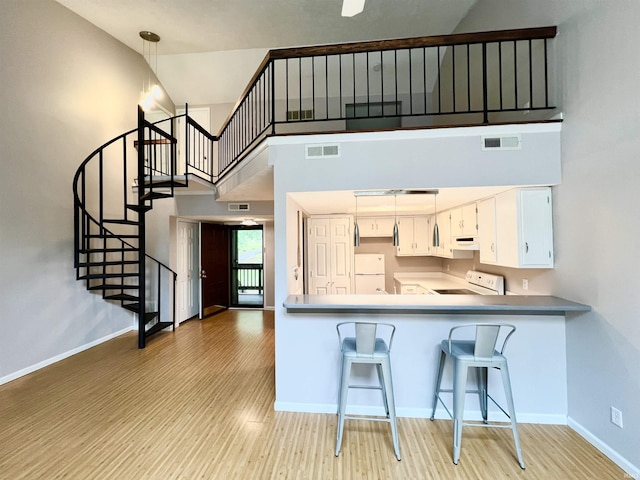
(473, 78)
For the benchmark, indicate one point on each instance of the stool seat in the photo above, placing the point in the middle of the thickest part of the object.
(368, 348)
(480, 354)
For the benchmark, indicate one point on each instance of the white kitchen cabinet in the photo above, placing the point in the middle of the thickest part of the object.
(414, 236)
(375, 226)
(524, 228)
(464, 221)
(409, 290)
(446, 249)
(329, 261)
(487, 230)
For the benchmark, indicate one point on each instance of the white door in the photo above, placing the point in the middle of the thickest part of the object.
(187, 282)
(330, 256)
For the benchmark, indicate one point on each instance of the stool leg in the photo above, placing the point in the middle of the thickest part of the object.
(388, 388)
(482, 391)
(506, 381)
(382, 388)
(459, 391)
(342, 400)
(436, 388)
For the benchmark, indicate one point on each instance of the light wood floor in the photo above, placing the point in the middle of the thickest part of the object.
(198, 404)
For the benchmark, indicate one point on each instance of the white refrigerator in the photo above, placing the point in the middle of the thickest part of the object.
(369, 273)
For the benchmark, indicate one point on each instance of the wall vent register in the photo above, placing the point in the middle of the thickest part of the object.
(510, 142)
(238, 207)
(322, 151)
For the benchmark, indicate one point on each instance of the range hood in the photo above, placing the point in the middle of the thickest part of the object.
(466, 243)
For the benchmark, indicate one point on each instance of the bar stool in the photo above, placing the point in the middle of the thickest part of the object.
(366, 348)
(481, 354)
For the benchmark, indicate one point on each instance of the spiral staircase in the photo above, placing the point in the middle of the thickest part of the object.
(114, 189)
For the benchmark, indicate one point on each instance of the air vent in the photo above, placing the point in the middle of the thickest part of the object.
(510, 142)
(322, 151)
(238, 207)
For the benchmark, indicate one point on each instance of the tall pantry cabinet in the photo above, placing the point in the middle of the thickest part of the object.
(330, 255)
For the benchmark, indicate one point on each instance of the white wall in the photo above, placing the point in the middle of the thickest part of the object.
(67, 88)
(596, 206)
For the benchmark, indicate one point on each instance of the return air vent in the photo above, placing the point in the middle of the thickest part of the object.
(238, 207)
(322, 151)
(507, 142)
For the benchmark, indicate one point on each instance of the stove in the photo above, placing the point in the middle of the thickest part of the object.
(478, 283)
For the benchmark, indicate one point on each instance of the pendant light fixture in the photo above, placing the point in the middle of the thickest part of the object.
(436, 230)
(150, 92)
(396, 233)
(356, 229)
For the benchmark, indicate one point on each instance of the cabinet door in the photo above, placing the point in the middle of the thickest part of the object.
(444, 226)
(536, 230)
(469, 226)
(405, 236)
(384, 226)
(487, 230)
(422, 235)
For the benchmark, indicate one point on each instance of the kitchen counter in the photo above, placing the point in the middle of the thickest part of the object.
(434, 304)
(429, 281)
(308, 354)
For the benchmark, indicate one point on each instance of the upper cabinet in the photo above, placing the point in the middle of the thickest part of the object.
(375, 226)
(464, 222)
(414, 236)
(487, 230)
(524, 229)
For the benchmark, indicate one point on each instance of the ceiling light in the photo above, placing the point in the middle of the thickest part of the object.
(250, 222)
(396, 233)
(356, 229)
(351, 8)
(150, 92)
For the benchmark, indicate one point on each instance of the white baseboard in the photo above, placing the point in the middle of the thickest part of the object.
(441, 414)
(631, 470)
(62, 356)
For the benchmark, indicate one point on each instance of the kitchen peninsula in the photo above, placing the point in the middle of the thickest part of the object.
(307, 355)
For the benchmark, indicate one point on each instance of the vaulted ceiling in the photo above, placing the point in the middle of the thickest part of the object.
(210, 48)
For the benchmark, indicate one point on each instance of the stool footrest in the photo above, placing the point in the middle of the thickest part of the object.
(365, 387)
(363, 417)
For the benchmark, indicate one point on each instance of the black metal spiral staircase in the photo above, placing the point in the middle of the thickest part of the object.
(114, 189)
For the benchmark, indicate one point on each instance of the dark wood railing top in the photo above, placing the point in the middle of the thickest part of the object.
(397, 44)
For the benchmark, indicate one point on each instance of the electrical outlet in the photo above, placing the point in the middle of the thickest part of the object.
(616, 416)
(525, 284)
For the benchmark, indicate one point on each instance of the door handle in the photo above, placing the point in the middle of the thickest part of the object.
(203, 274)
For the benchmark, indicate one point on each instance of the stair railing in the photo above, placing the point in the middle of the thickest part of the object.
(459, 79)
(109, 217)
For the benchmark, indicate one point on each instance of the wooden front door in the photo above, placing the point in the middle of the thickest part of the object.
(214, 268)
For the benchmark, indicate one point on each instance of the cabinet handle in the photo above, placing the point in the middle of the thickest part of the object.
(492, 247)
(526, 247)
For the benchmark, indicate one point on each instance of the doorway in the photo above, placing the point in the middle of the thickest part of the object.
(247, 266)
(214, 268)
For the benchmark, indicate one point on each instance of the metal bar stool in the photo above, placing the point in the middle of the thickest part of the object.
(366, 347)
(481, 354)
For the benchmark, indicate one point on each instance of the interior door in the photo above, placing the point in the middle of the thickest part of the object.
(188, 250)
(214, 268)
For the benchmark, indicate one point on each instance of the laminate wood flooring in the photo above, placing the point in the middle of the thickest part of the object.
(197, 403)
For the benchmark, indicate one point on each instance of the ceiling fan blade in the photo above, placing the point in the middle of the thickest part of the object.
(352, 7)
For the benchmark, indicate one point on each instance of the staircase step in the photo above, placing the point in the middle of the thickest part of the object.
(165, 184)
(120, 221)
(157, 327)
(139, 208)
(133, 307)
(107, 264)
(95, 276)
(109, 250)
(155, 195)
(110, 236)
(111, 286)
(122, 297)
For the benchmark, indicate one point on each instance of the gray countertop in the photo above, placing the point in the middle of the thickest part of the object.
(432, 304)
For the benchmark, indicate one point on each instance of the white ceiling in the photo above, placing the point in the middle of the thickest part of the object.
(194, 34)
